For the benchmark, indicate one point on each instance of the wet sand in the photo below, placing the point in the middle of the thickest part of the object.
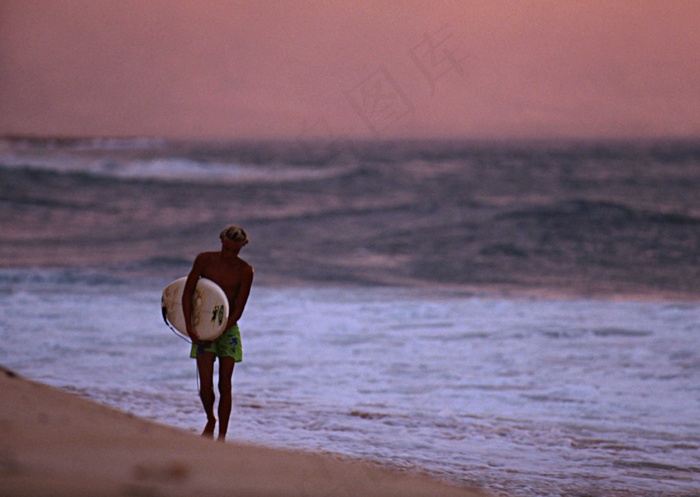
(55, 443)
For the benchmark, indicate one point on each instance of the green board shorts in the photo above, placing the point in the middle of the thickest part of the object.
(227, 345)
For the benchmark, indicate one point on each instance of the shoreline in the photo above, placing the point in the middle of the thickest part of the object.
(56, 443)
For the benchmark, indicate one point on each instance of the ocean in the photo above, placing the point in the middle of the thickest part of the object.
(518, 316)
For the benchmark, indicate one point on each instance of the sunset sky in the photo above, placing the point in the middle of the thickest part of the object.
(369, 68)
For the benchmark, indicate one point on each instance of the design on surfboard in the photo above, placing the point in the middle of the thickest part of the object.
(217, 314)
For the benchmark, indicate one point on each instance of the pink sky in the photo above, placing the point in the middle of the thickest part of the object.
(370, 68)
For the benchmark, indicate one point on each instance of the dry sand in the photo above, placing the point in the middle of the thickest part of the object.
(55, 443)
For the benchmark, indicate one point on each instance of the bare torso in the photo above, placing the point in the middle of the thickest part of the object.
(230, 272)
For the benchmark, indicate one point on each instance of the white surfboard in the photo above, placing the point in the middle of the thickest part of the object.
(210, 308)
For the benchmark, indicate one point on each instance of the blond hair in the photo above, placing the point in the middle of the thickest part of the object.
(234, 233)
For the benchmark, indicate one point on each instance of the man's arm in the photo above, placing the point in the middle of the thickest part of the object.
(238, 305)
(187, 294)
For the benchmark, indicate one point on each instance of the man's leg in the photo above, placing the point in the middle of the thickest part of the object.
(205, 366)
(226, 365)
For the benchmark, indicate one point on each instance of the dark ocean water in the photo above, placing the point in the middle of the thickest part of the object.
(583, 218)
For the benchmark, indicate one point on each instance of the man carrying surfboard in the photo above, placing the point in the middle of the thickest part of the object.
(235, 277)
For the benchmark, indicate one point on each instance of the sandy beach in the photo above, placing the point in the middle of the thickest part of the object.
(55, 443)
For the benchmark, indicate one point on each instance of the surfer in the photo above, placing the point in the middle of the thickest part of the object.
(235, 277)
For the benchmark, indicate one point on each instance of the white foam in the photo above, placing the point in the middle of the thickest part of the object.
(167, 169)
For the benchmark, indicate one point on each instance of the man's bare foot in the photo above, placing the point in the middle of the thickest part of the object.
(209, 428)
(222, 438)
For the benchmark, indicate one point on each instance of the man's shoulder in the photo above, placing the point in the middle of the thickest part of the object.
(205, 259)
(207, 255)
(242, 267)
